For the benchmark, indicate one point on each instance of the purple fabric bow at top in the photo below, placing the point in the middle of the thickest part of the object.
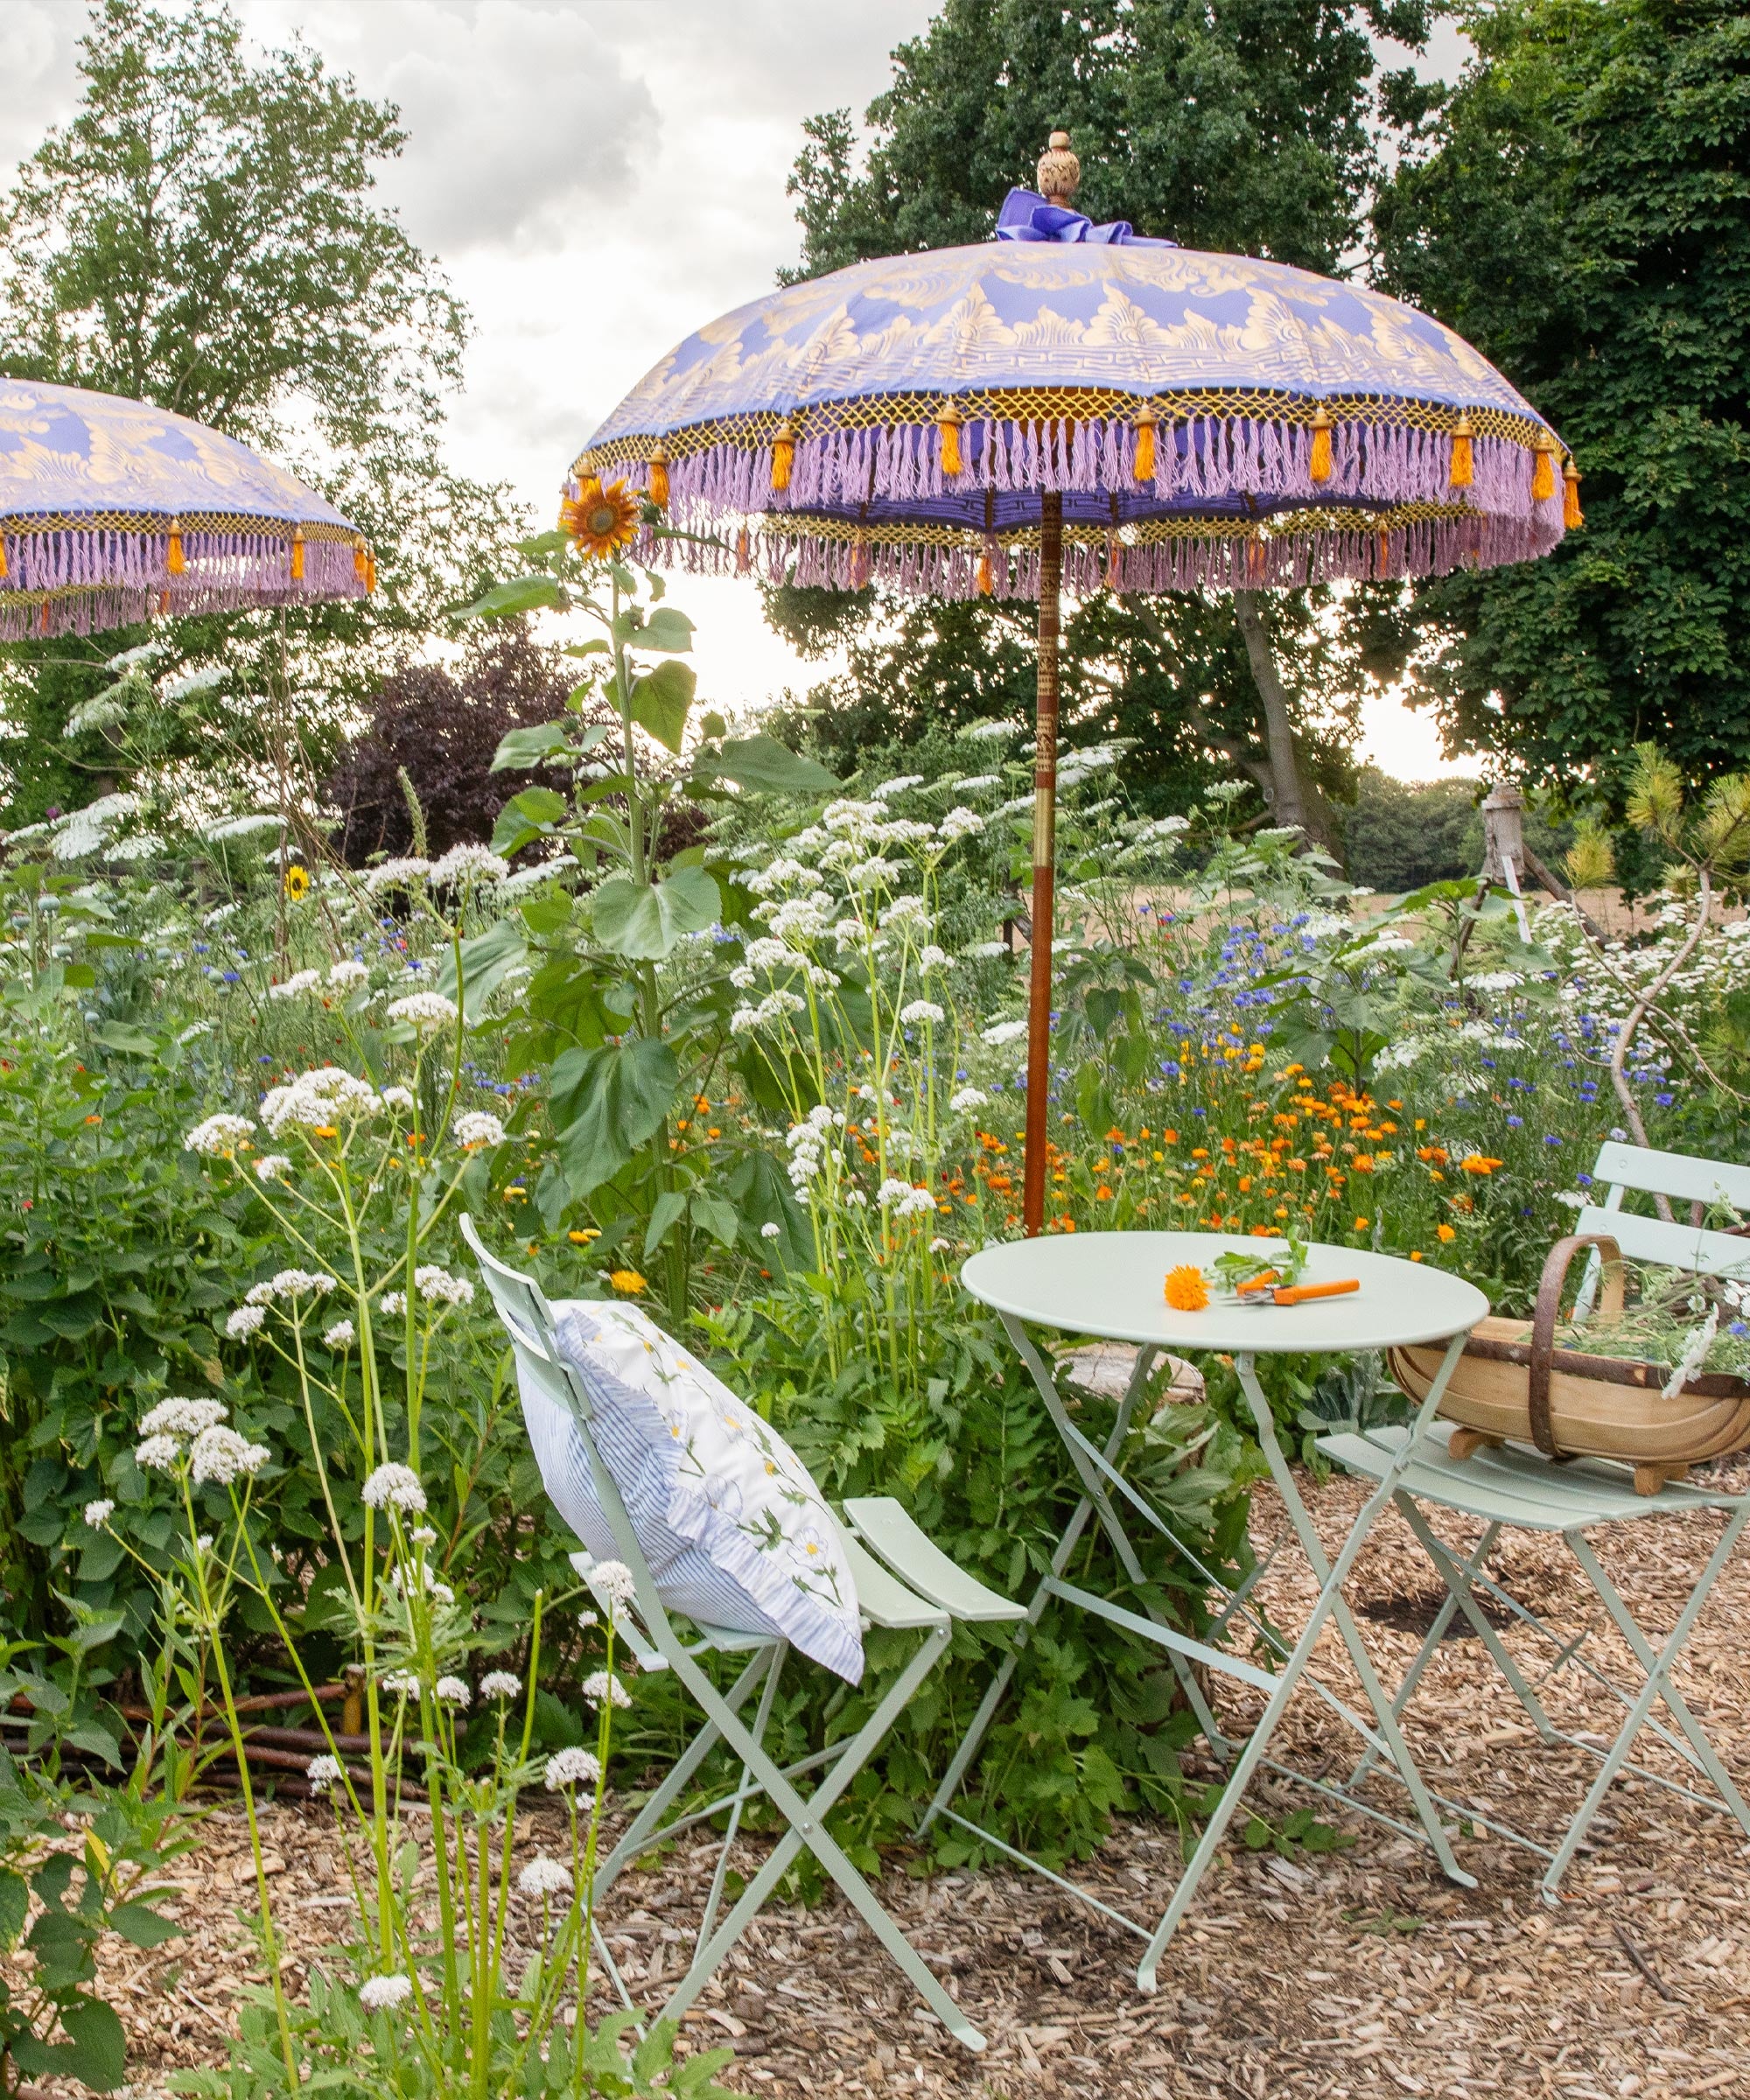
(1026, 216)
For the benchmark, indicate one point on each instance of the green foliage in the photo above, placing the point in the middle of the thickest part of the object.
(1578, 208)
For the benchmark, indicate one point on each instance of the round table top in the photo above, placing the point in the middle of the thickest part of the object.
(1112, 1283)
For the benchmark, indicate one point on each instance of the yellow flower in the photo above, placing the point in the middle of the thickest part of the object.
(583, 1238)
(600, 521)
(1186, 1288)
(297, 883)
(627, 1280)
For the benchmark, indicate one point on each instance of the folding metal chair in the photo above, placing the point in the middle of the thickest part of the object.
(927, 1597)
(1516, 1489)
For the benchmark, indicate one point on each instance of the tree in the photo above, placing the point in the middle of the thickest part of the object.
(1579, 207)
(203, 235)
(1244, 124)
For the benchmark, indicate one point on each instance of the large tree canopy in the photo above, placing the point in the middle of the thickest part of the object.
(1579, 207)
(1226, 124)
(204, 234)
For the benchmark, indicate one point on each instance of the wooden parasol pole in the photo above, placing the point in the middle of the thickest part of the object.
(1045, 847)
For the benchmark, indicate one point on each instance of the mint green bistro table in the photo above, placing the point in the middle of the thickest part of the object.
(1110, 1284)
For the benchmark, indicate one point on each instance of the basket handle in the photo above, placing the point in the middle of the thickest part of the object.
(1544, 1319)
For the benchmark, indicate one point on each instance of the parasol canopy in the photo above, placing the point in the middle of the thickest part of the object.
(1209, 421)
(1068, 405)
(112, 509)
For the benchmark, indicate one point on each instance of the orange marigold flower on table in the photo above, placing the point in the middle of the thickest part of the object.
(600, 521)
(1186, 1291)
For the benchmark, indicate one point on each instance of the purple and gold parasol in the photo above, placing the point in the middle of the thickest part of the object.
(111, 510)
(1067, 404)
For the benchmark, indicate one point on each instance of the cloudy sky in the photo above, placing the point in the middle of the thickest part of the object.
(598, 178)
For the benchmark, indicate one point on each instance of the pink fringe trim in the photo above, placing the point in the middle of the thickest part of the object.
(118, 578)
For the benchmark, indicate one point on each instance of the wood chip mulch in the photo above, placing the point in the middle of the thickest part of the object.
(1361, 1971)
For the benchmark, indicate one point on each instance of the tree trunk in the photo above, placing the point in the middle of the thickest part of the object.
(1288, 802)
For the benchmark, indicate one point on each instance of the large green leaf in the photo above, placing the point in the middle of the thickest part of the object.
(765, 763)
(525, 817)
(15, 1905)
(644, 920)
(662, 701)
(520, 748)
(668, 629)
(607, 1103)
(141, 1926)
(522, 594)
(98, 2055)
(486, 960)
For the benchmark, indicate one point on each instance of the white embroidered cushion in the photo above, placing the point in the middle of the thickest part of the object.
(733, 1529)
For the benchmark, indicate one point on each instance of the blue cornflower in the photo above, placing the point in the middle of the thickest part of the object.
(1516, 1123)
(1583, 1180)
(1549, 1137)
(1737, 1328)
(1665, 1100)
(229, 977)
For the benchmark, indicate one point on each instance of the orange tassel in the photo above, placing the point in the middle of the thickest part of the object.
(783, 455)
(1385, 553)
(1114, 569)
(45, 616)
(659, 476)
(949, 424)
(860, 566)
(297, 555)
(1318, 467)
(1543, 474)
(370, 570)
(1463, 467)
(987, 574)
(163, 601)
(1572, 517)
(358, 558)
(3, 554)
(743, 552)
(174, 561)
(1142, 468)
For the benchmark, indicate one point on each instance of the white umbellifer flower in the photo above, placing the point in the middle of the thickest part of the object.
(394, 1303)
(398, 1097)
(245, 1321)
(612, 1580)
(477, 1127)
(1573, 1199)
(348, 972)
(469, 863)
(572, 1768)
(921, 1009)
(451, 1692)
(907, 911)
(439, 1286)
(932, 957)
(391, 874)
(940, 1245)
(603, 1684)
(219, 1455)
(204, 1543)
(98, 1514)
(394, 1486)
(156, 1455)
(959, 824)
(219, 1137)
(317, 1100)
(423, 1535)
(969, 1097)
(544, 1876)
(426, 1011)
(402, 1684)
(1005, 1032)
(897, 785)
(500, 1685)
(178, 1417)
(341, 1335)
(985, 951)
(296, 986)
(322, 1773)
(586, 1620)
(272, 1166)
(296, 1283)
(989, 732)
(769, 1231)
(976, 783)
(1694, 1355)
(384, 1993)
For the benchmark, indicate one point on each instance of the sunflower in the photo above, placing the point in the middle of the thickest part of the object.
(600, 521)
(297, 883)
(1186, 1291)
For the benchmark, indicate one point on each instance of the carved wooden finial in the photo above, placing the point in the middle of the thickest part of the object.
(1059, 172)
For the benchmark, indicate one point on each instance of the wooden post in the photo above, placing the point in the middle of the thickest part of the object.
(1045, 847)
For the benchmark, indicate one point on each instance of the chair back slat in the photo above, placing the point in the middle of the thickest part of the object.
(1680, 1175)
(1669, 1245)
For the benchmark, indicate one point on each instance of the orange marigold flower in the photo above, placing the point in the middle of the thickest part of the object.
(627, 1280)
(600, 521)
(1186, 1288)
(1102, 1194)
(1478, 1163)
(1445, 1232)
